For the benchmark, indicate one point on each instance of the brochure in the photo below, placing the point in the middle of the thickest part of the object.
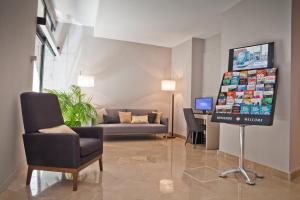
(243, 74)
(252, 73)
(266, 110)
(251, 80)
(245, 109)
(256, 102)
(269, 79)
(251, 87)
(248, 94)
(236, 109)
(239, 95)
(260, 87)
(269, 87)
(224, 88)
(242, 88)
(258, 94)
(226, 81)
(235, 80)
(261, 73)
(266, 101)
(271, 72)
(243, 81)
(255, 110)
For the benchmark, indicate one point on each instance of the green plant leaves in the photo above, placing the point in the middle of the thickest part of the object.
(76, 108)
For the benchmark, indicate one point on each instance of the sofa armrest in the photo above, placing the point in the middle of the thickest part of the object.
(164, 121)
(52, 150)
(89, 132)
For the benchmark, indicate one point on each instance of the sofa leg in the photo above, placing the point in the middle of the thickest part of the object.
(101, 164)
(75, 180)
(29, 174)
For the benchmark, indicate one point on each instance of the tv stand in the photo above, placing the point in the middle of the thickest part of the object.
(240, 168)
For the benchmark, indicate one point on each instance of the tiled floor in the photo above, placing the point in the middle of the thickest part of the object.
(149, 168)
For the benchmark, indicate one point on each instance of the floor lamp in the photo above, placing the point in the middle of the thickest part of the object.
(170, 86)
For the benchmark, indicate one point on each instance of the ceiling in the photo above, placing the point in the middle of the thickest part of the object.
(157, 22)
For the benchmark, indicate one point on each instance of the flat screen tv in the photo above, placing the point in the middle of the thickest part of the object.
(259, 56)
(204, 104)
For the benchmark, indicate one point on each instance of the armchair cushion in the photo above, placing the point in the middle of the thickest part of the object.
(88, 146)
(89, 132)
(58, 129)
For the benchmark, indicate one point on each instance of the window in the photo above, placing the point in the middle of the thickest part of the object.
(36, 83)
(48, 71)
(44, 64)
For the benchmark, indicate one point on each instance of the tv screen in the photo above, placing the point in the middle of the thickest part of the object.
(251, 57)
(205, 103)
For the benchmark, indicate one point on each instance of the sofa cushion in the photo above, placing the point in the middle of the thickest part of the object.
(158, 117)
(143, 119)
(125, 117)
(107, 119)
(100, 113)
(151, 117)
(115, 129)
(88, 146)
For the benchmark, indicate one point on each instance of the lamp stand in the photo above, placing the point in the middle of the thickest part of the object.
(240, 168)
(172, 121)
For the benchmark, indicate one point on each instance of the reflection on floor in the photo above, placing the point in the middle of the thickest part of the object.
(151, 168)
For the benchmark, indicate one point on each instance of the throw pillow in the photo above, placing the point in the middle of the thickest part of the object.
(158, 117)
(143, 119)
(100, 113)
(151, 117)
(107, 119)
(125, 117)
(58, 129)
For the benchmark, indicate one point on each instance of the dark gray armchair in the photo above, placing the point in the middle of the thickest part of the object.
(193, 125)
(61, 152)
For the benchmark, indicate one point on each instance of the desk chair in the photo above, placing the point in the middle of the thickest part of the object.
(59, 152)
(193, 125)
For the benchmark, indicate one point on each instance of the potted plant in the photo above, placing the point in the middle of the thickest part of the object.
(76, 108)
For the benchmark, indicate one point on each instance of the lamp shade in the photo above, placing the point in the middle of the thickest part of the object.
(168, 85)
(85, 81)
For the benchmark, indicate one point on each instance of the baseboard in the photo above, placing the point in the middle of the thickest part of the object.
(12, 176)
(258, 167)
(294, 174)
(179, 136)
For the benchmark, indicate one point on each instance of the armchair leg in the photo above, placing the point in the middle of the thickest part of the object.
(29, 174)
(101, 164)
(75, 180)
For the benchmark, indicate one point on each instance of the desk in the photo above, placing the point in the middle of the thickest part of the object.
(212, 131)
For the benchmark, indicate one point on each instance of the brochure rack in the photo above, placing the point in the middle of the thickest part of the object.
(246, 98)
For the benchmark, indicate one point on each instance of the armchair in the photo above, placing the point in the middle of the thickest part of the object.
(60, 152)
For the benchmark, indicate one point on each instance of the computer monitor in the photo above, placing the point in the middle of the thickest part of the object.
(204, 104)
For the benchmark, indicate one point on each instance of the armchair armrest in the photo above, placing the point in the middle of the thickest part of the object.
(52, 150)
(164, 121)
(89, 132)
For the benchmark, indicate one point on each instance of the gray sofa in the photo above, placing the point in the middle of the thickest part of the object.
(125, 129)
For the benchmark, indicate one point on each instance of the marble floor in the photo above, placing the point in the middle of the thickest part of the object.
(152, 168)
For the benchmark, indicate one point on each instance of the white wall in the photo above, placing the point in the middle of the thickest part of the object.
(187, 66)
(295, 92)
(127, 75)
(17, 36)
(211, 66)
(251, 22)
(181, 72)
